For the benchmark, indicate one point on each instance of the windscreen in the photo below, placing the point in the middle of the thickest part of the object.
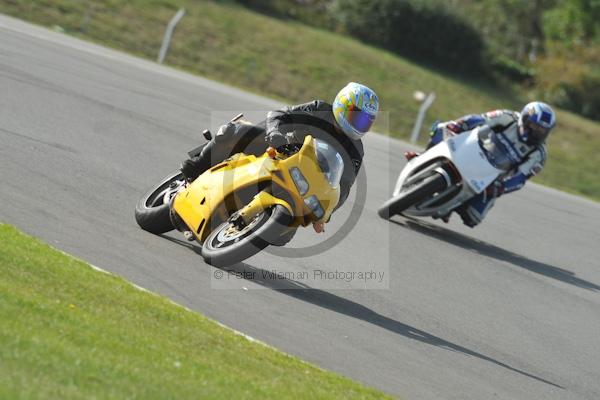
(330, 162)
(495, 150)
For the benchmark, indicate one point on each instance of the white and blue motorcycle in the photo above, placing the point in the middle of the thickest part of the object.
(447, 175)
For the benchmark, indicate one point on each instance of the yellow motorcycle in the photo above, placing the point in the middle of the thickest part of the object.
(246, 203)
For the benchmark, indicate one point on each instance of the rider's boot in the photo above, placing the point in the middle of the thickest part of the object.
(194, 167)
(216, 149)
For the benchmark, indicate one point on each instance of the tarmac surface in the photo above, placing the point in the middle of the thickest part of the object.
(416, 308)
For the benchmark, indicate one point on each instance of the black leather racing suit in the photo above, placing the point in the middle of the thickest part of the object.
(288, 125)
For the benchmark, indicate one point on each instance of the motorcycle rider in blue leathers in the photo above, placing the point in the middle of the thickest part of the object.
(521, 136)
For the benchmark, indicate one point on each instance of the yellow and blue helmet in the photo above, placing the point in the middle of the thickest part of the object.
(355, 108)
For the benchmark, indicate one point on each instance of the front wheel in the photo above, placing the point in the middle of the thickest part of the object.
(414, 195)
(229, 244)
(152, 211)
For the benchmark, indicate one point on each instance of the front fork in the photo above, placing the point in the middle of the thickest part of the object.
(260, 203)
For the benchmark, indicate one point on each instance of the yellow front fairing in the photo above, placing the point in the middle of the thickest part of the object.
(229, 187)
(306, 161)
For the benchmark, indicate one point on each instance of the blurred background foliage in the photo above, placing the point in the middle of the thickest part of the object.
(475, 55)
(541, 48)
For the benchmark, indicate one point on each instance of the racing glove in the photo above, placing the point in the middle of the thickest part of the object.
(292, 144)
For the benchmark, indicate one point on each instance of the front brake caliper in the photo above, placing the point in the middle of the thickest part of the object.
(237, 220)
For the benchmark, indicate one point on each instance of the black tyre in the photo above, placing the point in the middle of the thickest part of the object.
(414, 195)
(152, 211)
(228, 245)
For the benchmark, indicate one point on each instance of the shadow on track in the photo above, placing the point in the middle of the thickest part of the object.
(489, 250)
(349, 308)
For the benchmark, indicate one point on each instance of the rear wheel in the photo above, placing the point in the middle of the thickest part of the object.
(229, 243)
(412, 196)
(152, 211)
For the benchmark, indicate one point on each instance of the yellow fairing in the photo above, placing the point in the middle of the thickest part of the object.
(306, 161)
(202, 201)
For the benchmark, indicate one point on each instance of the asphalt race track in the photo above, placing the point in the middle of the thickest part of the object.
(510, 310)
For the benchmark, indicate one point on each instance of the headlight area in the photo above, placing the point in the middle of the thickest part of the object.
(299, 180)
(315, 206)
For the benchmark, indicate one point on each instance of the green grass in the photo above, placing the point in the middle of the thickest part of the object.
(295, 63)
(69, 331)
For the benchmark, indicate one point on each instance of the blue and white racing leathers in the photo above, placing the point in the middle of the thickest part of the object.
(527, 160)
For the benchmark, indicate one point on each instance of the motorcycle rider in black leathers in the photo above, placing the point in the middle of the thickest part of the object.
(341, 124)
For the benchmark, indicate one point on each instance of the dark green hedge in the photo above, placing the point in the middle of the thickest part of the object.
(421, 30)
(581, 97)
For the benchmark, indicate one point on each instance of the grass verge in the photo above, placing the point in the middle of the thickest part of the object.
(69, 331)
(293, 62)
